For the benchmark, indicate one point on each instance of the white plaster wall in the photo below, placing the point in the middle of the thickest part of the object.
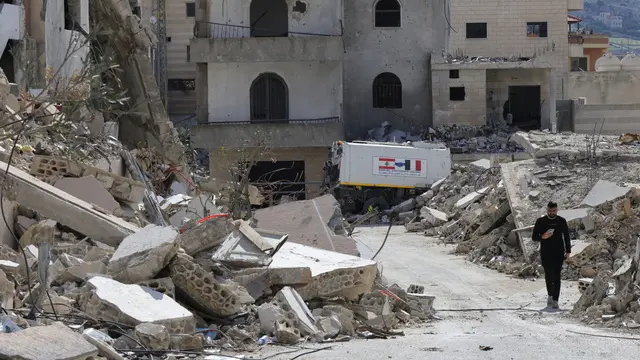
(321, 17)
(65, 48)
(315, 88)
(10, 24)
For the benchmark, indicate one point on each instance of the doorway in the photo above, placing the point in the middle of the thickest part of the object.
(7, 60)
(269, 18)
(278, 179)
(524, 106)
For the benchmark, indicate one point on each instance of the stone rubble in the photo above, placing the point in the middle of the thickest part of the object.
(159, 266)
(488, 211)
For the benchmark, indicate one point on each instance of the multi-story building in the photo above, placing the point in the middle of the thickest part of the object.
(612, 21)
(502, 61)
(269, 84)
(585, 47)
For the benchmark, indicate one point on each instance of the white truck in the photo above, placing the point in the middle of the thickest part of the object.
(366, 174)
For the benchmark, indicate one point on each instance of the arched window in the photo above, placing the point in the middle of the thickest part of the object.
(387, 14)
(269, 98)
(269, 18)
(387, 91)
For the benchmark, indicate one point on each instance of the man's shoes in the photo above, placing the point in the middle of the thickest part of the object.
(549, 301)
(555, 305)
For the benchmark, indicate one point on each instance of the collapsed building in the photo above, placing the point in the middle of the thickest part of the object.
(488, 210)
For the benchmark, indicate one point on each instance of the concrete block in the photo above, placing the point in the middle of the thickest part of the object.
(153, 336)
(602, 192)
(317, 222)
(484, 164)
(41, 233)
(187, 342)
(81, 272)
(332, 273)
(295, 311)
(433, 217)
(162, 285)
(89, 189)
(51, 342)
(202, 286)
(582, 252)
(103, 299)
(142, 255)
(68, 210)
(206, 236)
(268, 315)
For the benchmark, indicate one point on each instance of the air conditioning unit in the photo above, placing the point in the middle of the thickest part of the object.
(581, 100)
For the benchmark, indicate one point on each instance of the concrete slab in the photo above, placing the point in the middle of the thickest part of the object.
(66, 209)
(316, 222)
(89, 189)
(109, 300)
(52, 342)
(482, 164)
(142, 255)
(433, 217)
(332, 273)
(604, 191)
(471, 197)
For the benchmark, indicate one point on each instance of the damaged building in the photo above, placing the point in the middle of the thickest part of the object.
(269, 77)
(502, 62)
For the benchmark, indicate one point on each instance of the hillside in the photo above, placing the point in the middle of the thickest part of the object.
(629, 10)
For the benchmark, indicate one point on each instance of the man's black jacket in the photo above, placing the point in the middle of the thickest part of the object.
(553, 248)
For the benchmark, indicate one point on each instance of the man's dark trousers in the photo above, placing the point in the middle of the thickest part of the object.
(552, 271)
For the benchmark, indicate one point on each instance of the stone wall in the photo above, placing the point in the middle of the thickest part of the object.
(618, 119)
(612, 87)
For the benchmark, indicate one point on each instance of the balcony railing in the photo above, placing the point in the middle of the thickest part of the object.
(229, 31)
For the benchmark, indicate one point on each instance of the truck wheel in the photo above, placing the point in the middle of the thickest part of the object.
(377, 203)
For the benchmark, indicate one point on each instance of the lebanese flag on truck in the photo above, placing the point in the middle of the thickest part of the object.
(397, 164)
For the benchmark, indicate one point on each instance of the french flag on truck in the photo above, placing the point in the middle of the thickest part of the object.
(399, 165)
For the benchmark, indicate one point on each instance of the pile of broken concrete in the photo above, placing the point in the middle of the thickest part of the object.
(595, 184)
(224, 282)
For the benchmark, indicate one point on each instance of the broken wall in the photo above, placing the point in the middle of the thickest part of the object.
(610, 87)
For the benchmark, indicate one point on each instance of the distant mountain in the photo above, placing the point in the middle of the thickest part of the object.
(629, 10)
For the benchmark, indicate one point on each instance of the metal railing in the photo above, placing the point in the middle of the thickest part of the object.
(229, 31)
(326, 120)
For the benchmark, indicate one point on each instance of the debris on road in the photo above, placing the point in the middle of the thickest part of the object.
(489, 212)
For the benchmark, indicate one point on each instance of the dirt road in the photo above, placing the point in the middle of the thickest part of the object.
(513, 334)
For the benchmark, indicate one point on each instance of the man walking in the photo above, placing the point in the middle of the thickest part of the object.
(552, 232)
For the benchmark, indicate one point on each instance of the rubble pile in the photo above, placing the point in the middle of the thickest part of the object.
(595, 186)
(468, 138)
(470, 209)
(459, 138)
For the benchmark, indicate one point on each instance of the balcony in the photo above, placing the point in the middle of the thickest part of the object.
(271, 133)
(235, 43)
(575, 5)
